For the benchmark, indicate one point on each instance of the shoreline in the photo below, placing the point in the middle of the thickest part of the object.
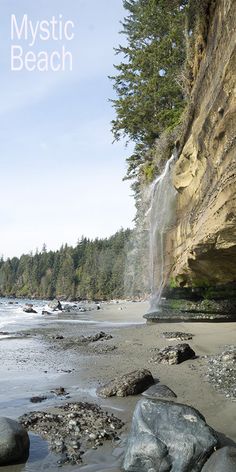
(91, 365)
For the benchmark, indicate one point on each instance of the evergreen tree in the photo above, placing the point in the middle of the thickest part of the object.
(149, 97)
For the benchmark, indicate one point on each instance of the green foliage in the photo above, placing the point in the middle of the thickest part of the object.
(91, 270)
(149, 97)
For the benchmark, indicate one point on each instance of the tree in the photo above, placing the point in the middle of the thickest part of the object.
(149, 97)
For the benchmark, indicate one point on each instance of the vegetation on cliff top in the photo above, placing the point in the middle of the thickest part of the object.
(150, 98)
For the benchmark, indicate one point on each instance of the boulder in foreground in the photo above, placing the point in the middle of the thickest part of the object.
(129, 384)
(167, 436)
(14, 442)
(223, 460)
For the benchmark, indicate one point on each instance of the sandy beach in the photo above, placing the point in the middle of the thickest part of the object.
(41, 361)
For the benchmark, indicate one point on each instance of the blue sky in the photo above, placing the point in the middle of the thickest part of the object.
(61, 176)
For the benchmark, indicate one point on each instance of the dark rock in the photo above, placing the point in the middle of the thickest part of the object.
(177, 335)
(173, 354)
(45, 312)
(14, 442)
(55, 305)
(28, 308)
(223, 460)
(129, 384)
(167, 436)
(60, 391)
(159, 390)
(38, 399)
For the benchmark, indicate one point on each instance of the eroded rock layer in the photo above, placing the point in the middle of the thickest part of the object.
(202, 246)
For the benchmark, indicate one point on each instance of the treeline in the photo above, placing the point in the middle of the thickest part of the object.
(94, 269)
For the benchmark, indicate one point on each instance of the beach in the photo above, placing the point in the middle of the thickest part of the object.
(45, 354)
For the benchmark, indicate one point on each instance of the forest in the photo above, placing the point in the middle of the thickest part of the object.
(92, 270)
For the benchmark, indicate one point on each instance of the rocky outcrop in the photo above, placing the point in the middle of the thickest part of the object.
(202, 247)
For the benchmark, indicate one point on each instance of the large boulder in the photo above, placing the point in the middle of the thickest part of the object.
(223, 460)
(167, 436)
(173, 354)
(129, 384)
(14, 442)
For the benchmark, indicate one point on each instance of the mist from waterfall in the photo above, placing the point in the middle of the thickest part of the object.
(161, 215)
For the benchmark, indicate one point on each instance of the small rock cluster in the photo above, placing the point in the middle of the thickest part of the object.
(222, 371)
(177, 335)
(73, 429)
(70, 343)
(173, 354)
(96, 337)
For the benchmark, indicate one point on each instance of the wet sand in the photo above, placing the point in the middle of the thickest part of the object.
(41, 363)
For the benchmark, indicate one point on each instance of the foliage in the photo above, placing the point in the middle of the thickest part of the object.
(149, 98)
(94, 269)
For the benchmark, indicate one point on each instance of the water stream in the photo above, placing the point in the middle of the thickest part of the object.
(161, 216)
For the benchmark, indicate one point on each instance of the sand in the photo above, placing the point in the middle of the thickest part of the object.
(133, 340)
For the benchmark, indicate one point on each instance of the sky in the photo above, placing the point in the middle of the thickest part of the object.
(61, 176)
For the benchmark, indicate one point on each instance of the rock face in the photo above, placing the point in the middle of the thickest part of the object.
(202, 247)
(130, 384)
(173, 354)
(223, 460)
(167, 436)
(14, 442)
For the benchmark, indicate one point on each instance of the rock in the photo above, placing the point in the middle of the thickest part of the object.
(159, 390)
(45, 312)
(55, 305)
(38, 399)
(96, 337)
(222, 371)
(167, 436)
(14, 442)
(173, 354)
(223, 460)
(60, 391)
(177, 335)
(132, 383)
(29, 309)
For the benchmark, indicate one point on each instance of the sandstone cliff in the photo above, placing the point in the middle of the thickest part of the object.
(202, 246)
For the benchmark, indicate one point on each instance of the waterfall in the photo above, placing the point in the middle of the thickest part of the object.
(161, 215)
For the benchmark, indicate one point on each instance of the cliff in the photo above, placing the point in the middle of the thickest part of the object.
(202, 245)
